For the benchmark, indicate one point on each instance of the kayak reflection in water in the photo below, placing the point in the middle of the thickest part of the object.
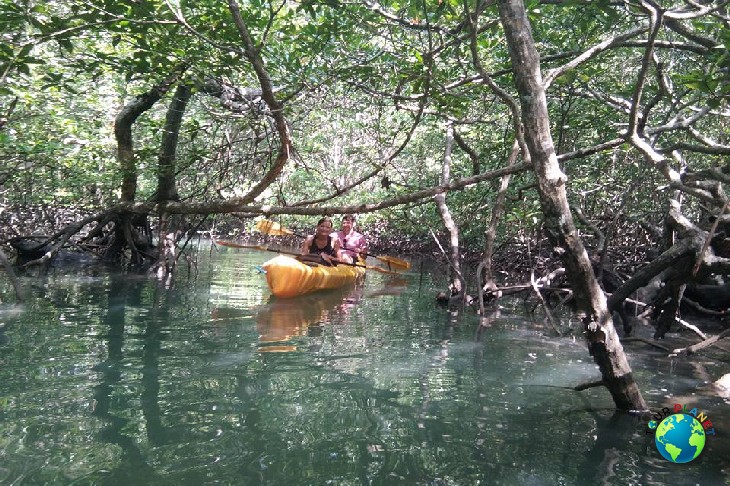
(283, 319)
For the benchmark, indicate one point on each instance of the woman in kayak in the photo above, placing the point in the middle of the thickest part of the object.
(323, 243)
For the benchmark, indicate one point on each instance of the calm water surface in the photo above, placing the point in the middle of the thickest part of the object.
(108, 378)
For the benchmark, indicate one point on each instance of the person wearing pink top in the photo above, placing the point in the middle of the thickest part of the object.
(352, 243)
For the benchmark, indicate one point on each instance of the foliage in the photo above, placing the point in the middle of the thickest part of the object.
(367, 87)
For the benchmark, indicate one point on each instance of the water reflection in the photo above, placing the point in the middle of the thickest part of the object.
(391, 285)
(384, 388)
(283, 319)
(122, 294)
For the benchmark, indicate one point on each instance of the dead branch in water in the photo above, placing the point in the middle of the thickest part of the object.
(701, 345)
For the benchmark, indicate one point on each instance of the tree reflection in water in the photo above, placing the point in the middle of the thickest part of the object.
(121, 295)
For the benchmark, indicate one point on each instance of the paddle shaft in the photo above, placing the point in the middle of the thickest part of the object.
(270, 227)
(266, 248)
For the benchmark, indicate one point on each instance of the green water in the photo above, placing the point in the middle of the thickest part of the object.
(109, 378)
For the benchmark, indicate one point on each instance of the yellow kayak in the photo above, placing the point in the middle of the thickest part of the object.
(288, 277)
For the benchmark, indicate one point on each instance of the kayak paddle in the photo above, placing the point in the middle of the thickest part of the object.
(275, 229)
(266, 248)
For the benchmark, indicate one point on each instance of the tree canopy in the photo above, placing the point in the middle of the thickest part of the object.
(635, 91)
(364, 90)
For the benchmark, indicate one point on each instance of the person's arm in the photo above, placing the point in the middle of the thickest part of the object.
(339, 254)
(351, 251)
(307, 245)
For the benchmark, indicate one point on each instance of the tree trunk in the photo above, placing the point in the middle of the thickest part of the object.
(123, 133)
(603, 342)
(166, 186)
(123, 123)
(457, 281)
(488, 283)
(253, 55)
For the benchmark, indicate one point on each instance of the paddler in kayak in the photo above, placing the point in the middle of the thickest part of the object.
(354, 245)
(323, 243)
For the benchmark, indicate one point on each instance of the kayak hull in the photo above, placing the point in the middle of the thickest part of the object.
(288, 277)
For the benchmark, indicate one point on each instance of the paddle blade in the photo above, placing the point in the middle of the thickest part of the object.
(393, 261)
(272, 228)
